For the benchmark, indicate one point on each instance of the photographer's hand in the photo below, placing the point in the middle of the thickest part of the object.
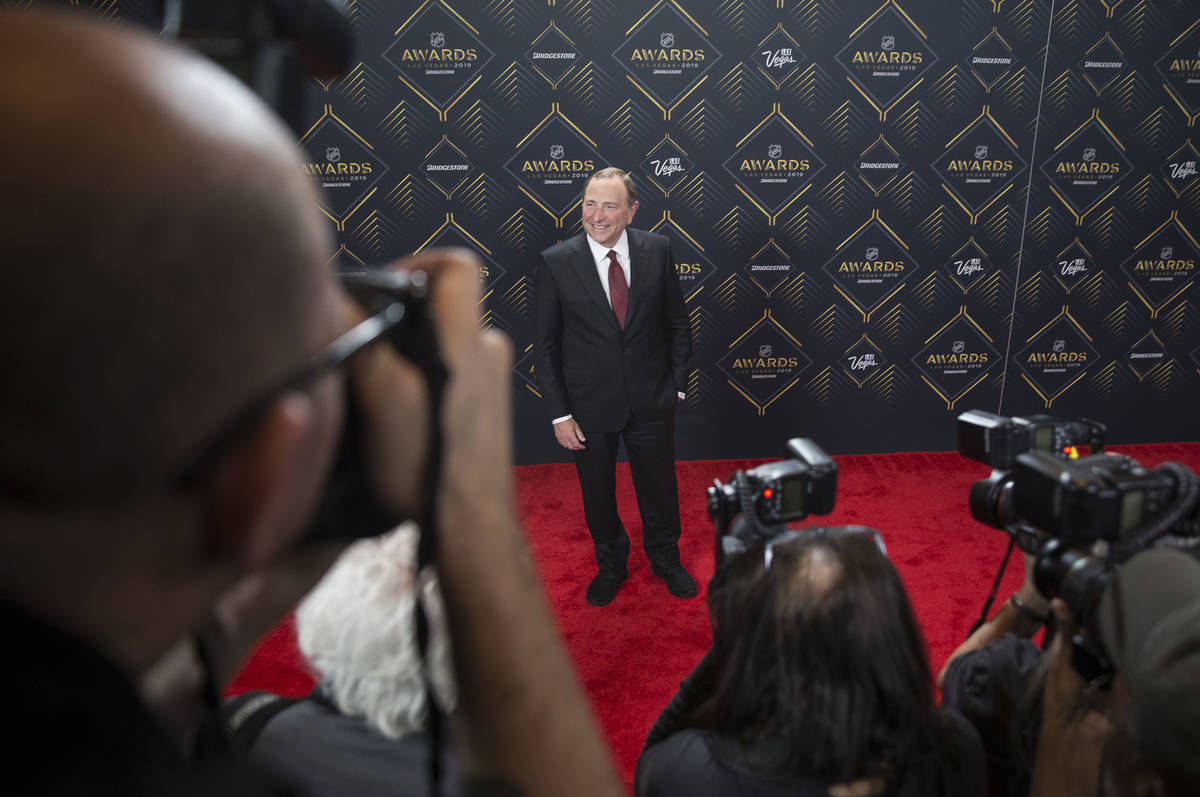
(1072, 739)
(1028, 594)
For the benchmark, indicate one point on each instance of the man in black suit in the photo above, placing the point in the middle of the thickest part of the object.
(612, 346)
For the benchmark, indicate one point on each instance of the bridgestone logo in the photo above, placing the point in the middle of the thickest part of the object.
(554, 56)
(449, 167)
(1102, 64)
(981, 60)
(879, 165)
(1157, 355)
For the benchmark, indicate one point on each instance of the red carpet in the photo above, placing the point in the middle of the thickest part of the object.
(632, 654)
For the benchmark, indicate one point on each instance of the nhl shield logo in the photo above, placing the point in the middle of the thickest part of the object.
(774, 151)
(765, 350)
(666, 39)
(437, 39)
(958, 347)
(333, 154)
(1060, 346)
(1089, 155)
(981, 151)
(887, 43)
(872, 252)
(1168, 252)
(556, 151)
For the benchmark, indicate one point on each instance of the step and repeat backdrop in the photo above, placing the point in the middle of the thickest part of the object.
(883, 213)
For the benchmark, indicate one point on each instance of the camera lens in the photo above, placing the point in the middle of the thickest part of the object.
(1073, 575)
(991, 501)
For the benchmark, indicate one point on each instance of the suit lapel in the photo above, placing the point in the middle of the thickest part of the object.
(585, 269)
(639, 272)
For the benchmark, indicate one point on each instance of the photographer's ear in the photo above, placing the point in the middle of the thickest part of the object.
(250, 500)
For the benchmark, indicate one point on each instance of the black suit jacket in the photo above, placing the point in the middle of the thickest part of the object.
(586, 365)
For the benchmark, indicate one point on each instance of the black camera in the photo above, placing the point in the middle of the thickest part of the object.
(999, 441)
(996, 440)
(1078, 516)
(274, 46)
(1079, 578)
(348, 508)
(759, 503)
(1042, 489)
(1101, 497)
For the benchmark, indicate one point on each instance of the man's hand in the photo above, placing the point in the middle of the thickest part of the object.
(569, 435)
(1028, 593)
(1072, 739)
(392, 391)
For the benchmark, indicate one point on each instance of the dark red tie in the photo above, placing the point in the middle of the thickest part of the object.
(618, 288)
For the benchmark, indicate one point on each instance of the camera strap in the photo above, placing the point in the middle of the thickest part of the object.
(435, 373)
(991, 598)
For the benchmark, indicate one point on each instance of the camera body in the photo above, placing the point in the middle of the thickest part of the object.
(996, 440)
(1100, 497)
(273, 46)
(1078, 516)
(759, 503)
(1000, 442)
(348, 508)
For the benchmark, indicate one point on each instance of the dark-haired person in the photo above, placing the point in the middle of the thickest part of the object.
(817, 684)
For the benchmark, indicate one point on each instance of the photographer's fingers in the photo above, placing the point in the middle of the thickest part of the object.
(1028, 592)
(476, 416)
(1063, 684)
(393, 392)
(1030, 563)
(395, 405)
(455, 296)
(477, 424)
(1071, 739)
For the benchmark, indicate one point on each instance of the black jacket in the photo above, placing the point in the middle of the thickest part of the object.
(586, 365)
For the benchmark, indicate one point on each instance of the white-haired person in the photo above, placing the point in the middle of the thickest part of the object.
(363, 728)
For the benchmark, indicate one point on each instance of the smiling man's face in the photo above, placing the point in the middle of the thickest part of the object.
(606, 210)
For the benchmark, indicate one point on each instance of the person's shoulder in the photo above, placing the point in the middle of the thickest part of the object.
(681, 764)
(1004, 666)
(564, 247)
(637, 237)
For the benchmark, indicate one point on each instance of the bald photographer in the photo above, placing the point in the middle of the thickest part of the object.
(181, 367)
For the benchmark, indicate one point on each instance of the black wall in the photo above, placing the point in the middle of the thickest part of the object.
(883, 213)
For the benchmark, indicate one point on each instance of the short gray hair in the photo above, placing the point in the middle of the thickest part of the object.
(609, 172)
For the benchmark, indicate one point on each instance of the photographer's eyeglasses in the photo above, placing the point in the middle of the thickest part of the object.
(391, 293)
(794, 534)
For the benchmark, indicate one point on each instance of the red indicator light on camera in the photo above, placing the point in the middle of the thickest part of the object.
(768, 492)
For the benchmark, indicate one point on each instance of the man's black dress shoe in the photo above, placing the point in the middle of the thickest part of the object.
(604, 587)
(679, 582)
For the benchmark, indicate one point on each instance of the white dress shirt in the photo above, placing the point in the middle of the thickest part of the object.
(600, 255)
